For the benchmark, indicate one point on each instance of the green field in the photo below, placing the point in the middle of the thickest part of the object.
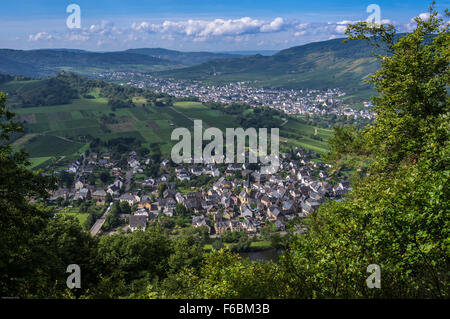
(80, 216)
(65, 130)
(38, 161)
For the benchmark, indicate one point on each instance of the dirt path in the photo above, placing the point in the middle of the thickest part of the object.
(24, 139)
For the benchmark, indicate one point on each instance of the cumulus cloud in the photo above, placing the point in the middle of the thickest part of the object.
(246, 31)
(204, 29)
(41, 36)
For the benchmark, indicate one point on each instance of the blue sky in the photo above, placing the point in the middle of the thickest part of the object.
(213, 25)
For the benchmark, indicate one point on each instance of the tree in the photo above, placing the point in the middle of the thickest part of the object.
(20, 220)
(161, 188)
(104, 177)
(132, 257)
(61, 243)
(112, 220)
(396, 214)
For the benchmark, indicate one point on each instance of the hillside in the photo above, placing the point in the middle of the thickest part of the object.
(315, 65)
(42, 63)
(92, 109)
(186, 58)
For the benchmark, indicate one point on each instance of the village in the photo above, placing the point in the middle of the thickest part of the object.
(220, 197)
(310, 102)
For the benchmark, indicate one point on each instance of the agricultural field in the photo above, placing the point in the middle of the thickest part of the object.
(65, 130)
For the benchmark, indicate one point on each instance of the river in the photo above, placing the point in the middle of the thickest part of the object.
(264, 255)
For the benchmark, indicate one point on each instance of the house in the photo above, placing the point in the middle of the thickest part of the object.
(229, 213)
(201, 221)
(183, 176)
(102, 162)
(222, 226)
(306, 209)
(99, 195)
(166, 203)
(141, 212)
(164, 163)
(266, 201)
(249, 225)
(295, 193)
(243, 197)
(169, 193)
(274, 212)
(60, 193)
(146, 202)
(83, 194)
(131, 199)
(118, 183)
(197, 171)
(179, 198)
(138, 222)
(113, 190)
(79, 185)
(288, 207)
(245, 211)
(168, 211)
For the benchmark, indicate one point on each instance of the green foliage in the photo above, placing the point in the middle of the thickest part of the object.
(226, 275)
(50, 92)
(113, 219)
(397, 214)
(20, 221)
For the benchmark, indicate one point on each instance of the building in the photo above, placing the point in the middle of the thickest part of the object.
(138, 222)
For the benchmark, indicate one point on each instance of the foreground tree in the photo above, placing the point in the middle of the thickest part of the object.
(397, 214)
(20, 220)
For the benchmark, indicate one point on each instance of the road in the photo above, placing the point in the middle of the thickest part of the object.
(99, 222)
(128, 176)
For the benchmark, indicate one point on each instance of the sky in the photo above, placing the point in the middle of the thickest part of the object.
(193, 25)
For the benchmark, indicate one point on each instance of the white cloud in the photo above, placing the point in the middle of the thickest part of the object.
(424, 16)
(225, 33)
(205, 29)
(41, 36)
(300, 33)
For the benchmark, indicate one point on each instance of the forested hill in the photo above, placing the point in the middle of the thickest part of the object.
(62, 89)
(42, 63)
(316, 65)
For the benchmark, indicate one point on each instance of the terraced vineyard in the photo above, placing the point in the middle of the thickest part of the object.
(56, 131)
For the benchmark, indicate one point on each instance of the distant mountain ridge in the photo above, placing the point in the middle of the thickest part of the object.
(186, 58)
(318, 65)
(47, 62)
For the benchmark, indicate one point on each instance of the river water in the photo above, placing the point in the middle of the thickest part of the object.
(264, 255)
